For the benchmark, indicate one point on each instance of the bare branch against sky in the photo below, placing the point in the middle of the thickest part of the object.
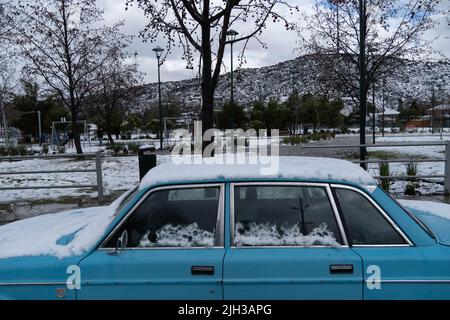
(281, 44)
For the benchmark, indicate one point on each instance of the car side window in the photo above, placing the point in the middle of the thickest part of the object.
(181, 217)
(365, 224)
(276, 215)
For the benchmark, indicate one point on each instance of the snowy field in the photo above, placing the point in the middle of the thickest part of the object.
(423, 168)
(119, 173)
(122, 173)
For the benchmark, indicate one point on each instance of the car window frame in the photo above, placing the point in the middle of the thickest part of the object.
(326, 186)
(219, 221)
(380, 210)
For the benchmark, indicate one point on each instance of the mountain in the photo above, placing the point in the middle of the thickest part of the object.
(412, 80)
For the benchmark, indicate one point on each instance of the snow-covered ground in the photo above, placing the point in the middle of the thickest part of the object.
(119, 173)
(436, 152)
(423, 168)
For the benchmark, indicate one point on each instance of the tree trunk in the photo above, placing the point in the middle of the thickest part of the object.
(109, 133)
(76, 133)
(207, 85)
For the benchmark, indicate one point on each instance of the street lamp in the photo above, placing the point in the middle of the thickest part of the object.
(158, 51)
(231, 38)
(384, 87)
(372, 51)
(362, 83)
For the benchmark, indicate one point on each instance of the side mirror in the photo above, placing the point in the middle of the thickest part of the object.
(121, 243)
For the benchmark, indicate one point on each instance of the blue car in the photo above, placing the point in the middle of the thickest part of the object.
(316, 228)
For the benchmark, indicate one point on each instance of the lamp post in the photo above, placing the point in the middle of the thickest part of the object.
(372, 52)
(433, 102)
(362, 82)
(158, 51)
(5, 124)
(384, 85)
(231, 38)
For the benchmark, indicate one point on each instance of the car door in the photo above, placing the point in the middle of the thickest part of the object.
(394, 268)
(287, 242)
(174, 248)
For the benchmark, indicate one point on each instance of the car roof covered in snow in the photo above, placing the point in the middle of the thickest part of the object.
(295, 168)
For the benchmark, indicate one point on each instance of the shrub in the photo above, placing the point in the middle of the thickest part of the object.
(384, 170)
(411, 168)
(45, 148)
(410, 189)
(344, 130)
(133, 147)
(3, 151)
(292, 140)
(115, 147)
(411, 171)
(61, 149)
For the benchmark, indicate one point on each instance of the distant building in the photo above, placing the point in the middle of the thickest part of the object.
(439, 115)
(390, 117)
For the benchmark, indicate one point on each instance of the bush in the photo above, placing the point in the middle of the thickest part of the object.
(133, 147)
(344, 130)
(410, 189)
(61, 149)
(295, 140)
(411, 169)
(316, 136)
(3, 151)
(20, 150)
(45, 148)
(384, 170)
(115, 147)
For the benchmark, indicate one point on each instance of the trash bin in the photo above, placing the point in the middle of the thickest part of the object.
(146, 160)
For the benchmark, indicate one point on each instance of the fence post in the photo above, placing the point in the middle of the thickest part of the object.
(98, 169)
(447, 169)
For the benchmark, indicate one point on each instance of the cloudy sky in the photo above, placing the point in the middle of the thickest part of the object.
(281, 44)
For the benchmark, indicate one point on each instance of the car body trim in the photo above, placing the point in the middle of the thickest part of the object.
(409, 281)
(32, 283)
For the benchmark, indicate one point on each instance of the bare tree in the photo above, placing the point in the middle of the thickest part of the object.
(65, 45)
(112, 94)
(7, 21)
(201, 26)
(394, 32)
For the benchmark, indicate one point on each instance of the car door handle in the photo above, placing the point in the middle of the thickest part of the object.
(202, 270)
(341, 269)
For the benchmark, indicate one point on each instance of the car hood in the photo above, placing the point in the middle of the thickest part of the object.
(59, 235)
(435, 215)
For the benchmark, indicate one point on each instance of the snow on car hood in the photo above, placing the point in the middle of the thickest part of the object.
(63, 234)
(435, 215)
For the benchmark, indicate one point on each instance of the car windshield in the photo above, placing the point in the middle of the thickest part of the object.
(126, 200)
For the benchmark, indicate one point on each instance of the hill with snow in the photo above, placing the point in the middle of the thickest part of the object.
(412, 80)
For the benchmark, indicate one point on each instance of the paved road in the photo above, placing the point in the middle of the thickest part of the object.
(296, 150)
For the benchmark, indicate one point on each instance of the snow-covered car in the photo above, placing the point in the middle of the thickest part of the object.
(317, 229)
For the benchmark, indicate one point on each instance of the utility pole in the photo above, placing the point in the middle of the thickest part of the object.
(433, 102)
(373, 112)
(384, 84)
(362, 82)
(5, 125)
(158, 51)
(39, 125)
